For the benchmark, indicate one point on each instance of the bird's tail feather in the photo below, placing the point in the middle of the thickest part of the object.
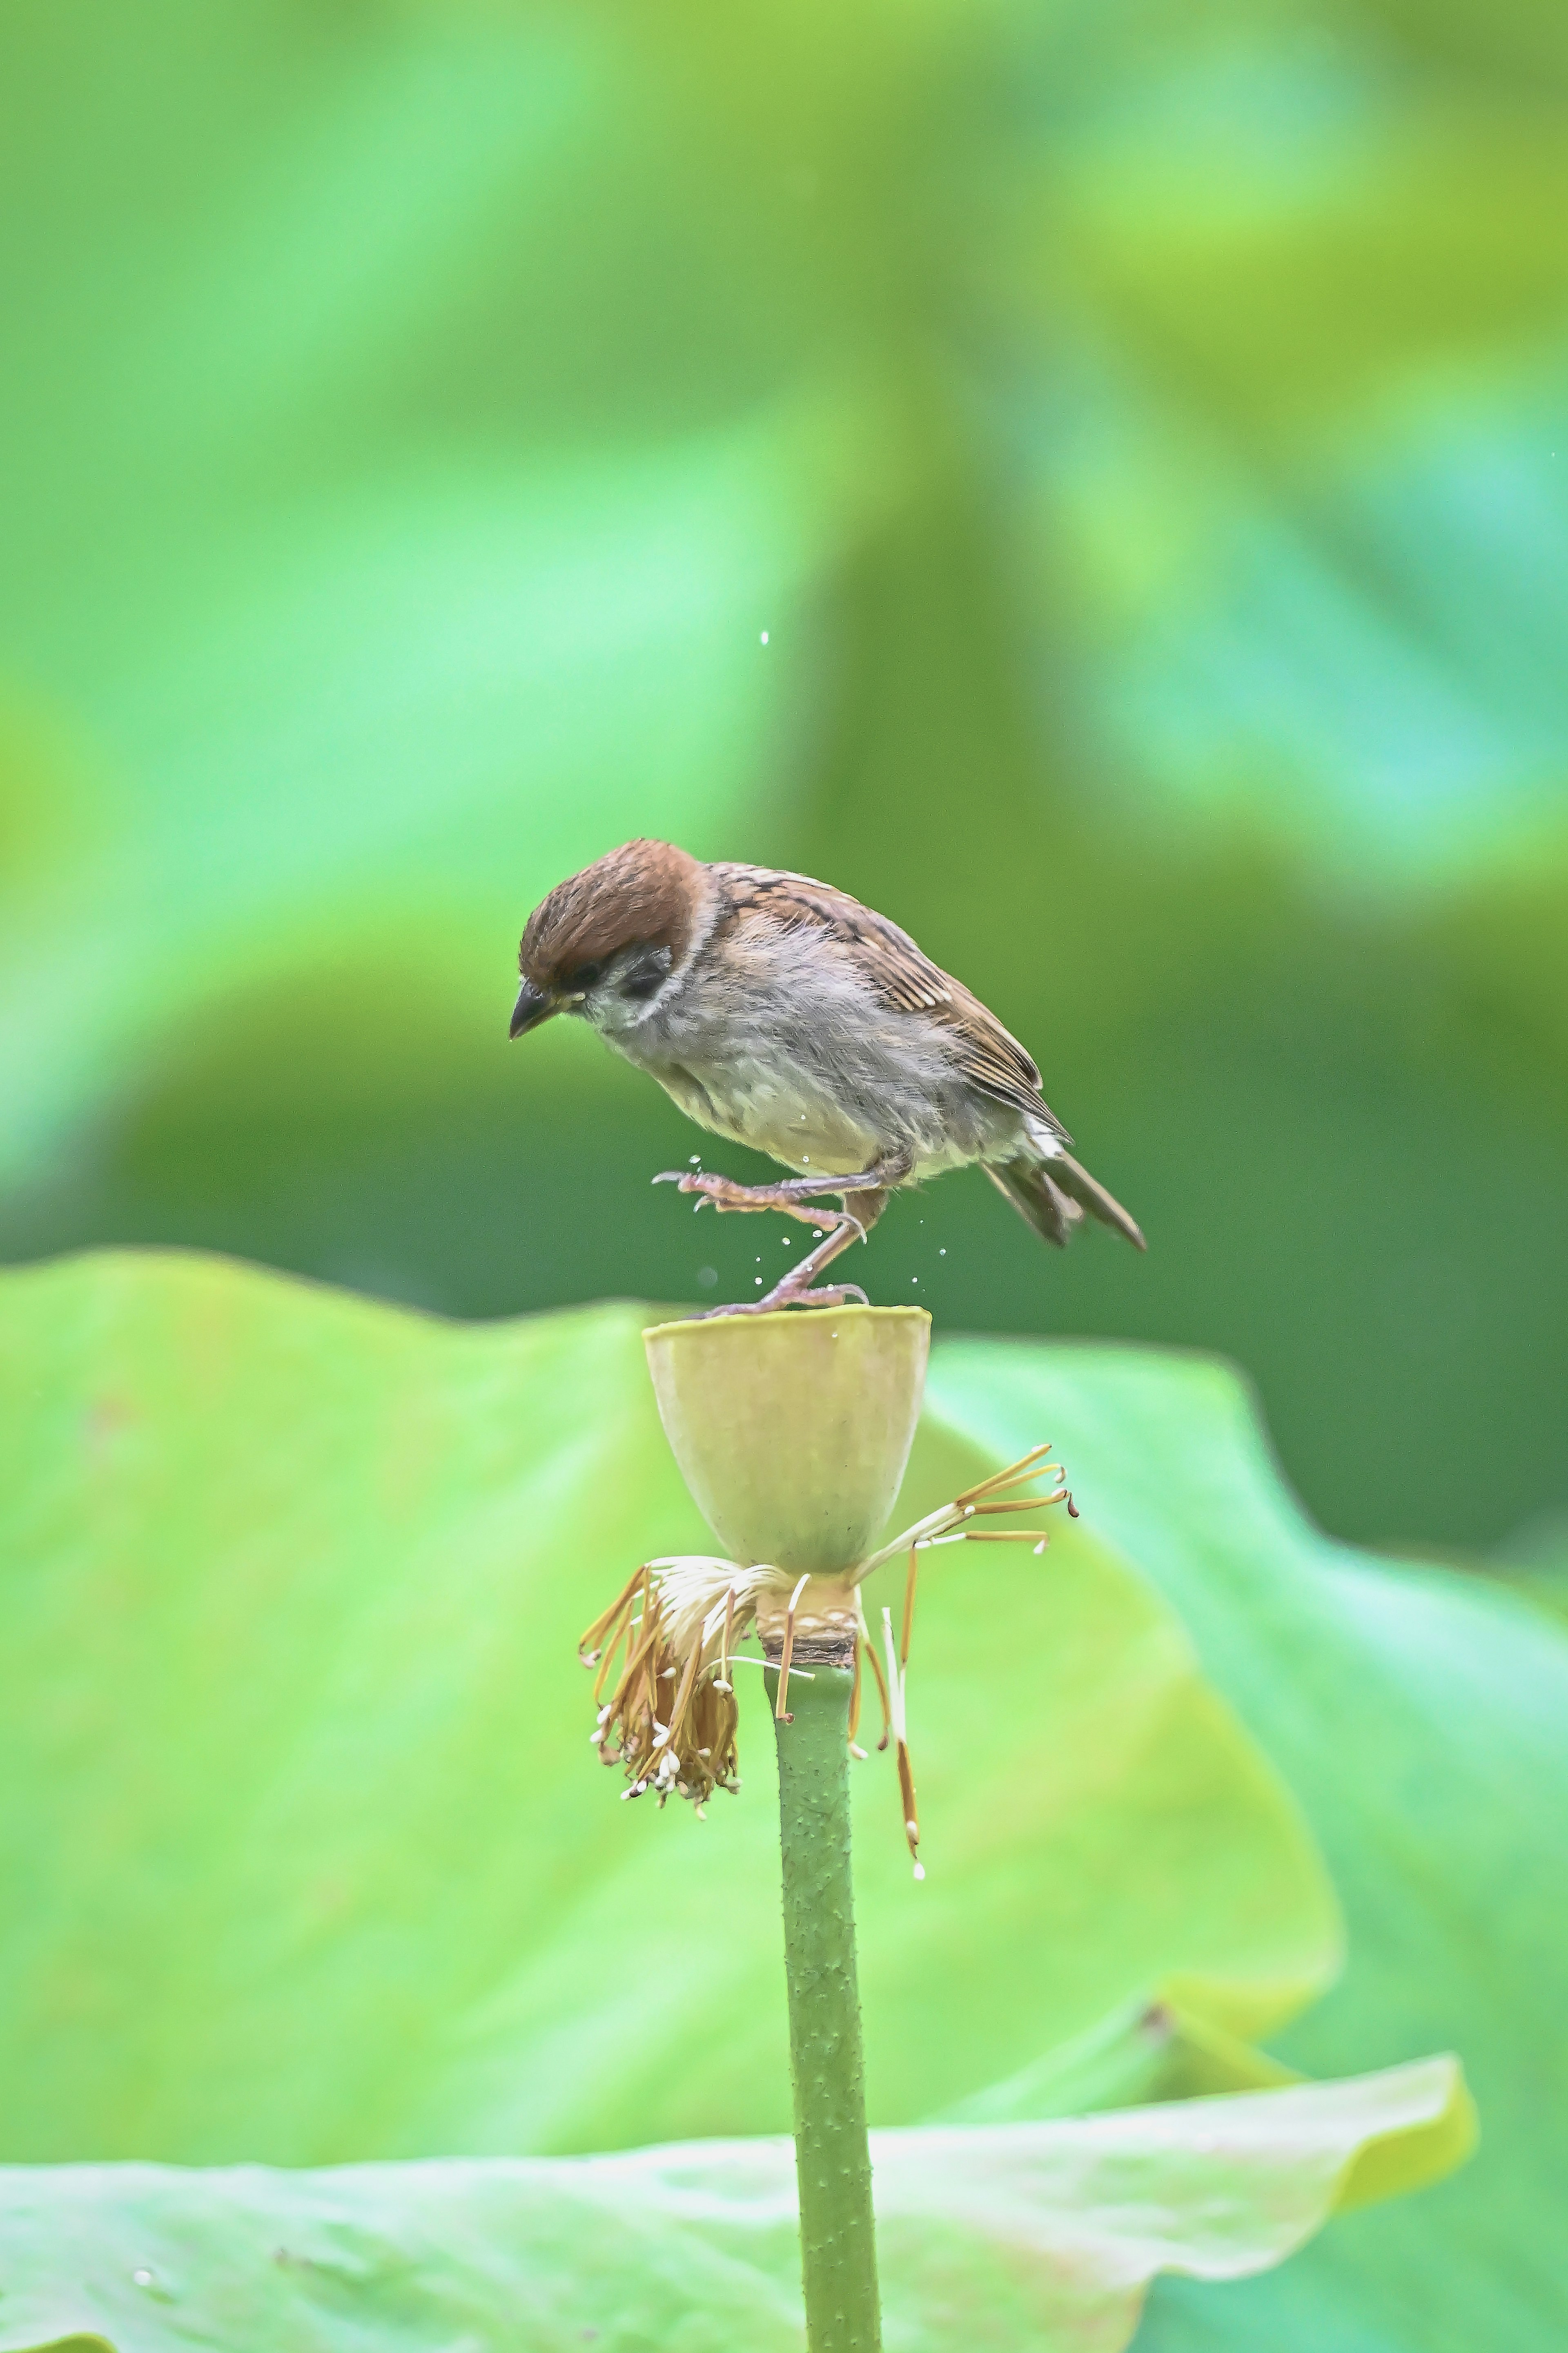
(1053, 1194)
(1036, 1198)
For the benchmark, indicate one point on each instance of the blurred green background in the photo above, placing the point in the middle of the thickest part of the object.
(1139, 432)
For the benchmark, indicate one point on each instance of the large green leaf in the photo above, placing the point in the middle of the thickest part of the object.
(316, 1859)
(1037, 2235)
(1422, 1717)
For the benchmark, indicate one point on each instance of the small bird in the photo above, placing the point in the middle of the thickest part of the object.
(783, 1014)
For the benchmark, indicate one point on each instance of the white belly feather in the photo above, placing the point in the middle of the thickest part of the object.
(786, 1048)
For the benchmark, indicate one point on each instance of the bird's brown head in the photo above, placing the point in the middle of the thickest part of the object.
(605, 941)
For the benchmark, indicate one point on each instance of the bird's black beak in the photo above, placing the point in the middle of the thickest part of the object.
(533, 1006)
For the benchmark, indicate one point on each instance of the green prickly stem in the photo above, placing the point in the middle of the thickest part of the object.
(833, 2163)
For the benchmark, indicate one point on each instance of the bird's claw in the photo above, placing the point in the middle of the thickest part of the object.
(722, 1191)
(832, 1294)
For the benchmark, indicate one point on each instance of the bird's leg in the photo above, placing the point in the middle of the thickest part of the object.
(802, 1197)
(795, 1290)
(725, 1193)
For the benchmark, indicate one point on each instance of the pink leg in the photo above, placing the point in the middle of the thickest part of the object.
(795, 1290)
(801, 1196)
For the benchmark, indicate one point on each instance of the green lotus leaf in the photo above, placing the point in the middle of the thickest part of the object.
(989, 2236)
(320, 1863)
(1421, 1715)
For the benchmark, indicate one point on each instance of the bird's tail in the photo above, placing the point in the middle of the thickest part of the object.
(1054, 1190)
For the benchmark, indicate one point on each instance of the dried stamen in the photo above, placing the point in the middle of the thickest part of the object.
(896, 1685)
(854, 1704)
(1008, 1478)
(673, 1628)
(684, 1745)
(590, 1644)
(724, 1684)
(1019, 1504)
(881, 1684)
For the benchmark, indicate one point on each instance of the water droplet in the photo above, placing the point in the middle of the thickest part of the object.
(914, 1278)
(697, 1160)
(707, 1276)
(942, 1253)
(757, 1278)
(142, 2276)
(920, 1871)
(764, 638)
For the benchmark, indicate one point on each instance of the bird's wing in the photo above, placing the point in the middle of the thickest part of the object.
(903, 976)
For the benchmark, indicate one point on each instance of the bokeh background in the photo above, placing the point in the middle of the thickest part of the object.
(1091, 480)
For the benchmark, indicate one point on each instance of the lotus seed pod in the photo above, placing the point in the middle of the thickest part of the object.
(792, 1429)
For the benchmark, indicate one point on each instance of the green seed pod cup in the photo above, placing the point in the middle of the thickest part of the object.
(792, 1429)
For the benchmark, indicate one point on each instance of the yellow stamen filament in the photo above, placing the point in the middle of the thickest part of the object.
(1008, 1478)
(694, 1749)
(1019, 1504)
(599, 1644)
(911, 1819)
(896, 1683)
(909, 1609)
(588, 1644)
(945, 1525)
(881, 1685)
(688, 1683)
(728, 1636)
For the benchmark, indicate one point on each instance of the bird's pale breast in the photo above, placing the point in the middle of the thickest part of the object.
(784, 1045)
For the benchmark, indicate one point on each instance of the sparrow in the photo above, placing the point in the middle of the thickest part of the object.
(780, 1013)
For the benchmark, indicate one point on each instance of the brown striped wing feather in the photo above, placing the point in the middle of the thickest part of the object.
(901, 974)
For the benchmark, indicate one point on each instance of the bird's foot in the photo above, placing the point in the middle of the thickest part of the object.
(726, 1193)
(785, 1294)
(795, 1290)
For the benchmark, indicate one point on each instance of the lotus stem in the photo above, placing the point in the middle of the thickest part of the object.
(833, 2161)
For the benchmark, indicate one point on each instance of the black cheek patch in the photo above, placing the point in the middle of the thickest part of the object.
(645, 973)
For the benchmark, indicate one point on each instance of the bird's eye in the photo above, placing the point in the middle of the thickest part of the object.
(585, 977)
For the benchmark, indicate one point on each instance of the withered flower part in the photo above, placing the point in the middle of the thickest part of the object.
(666, 1648)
